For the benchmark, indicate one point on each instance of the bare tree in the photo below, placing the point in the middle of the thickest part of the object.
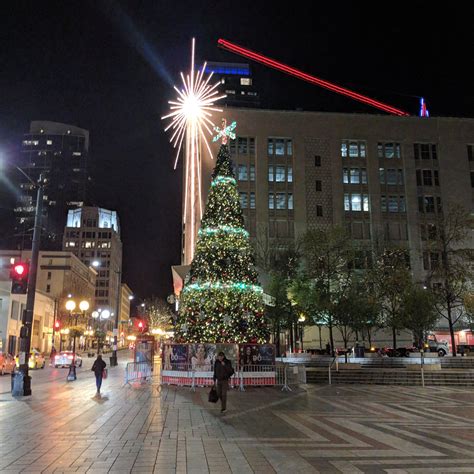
(158, 313)
(451, 272)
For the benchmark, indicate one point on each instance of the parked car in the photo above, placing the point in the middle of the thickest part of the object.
(36, 360)
(433, 345)
(7, 363)
(64, 359)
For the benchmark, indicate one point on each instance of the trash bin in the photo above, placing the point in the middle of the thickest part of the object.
(359, 351)
(17, 384)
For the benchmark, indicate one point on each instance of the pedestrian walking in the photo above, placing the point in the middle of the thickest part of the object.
(98, 367)
(223, 371)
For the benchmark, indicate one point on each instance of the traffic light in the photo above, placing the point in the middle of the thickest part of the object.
(57, 325)
(19, 276)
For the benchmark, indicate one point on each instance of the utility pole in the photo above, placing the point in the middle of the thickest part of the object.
(114, 359)
(27, 319)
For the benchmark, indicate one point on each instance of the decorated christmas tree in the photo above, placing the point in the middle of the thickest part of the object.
(222, 300)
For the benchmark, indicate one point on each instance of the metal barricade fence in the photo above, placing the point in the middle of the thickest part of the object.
(189, 375)
(135, 371)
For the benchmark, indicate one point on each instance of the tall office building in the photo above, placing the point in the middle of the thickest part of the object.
(93, 235)
(60, 152)
(384, 178)
(236, 82)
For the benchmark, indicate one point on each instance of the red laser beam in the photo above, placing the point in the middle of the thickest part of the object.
(247, 53)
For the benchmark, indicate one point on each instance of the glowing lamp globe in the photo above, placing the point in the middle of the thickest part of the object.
(105, 314)
(70, 305)
(84, 305)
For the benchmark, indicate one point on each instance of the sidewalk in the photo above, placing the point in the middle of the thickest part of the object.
(146, 429)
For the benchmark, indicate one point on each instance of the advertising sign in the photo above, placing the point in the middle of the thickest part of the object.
(256, 354)
(175, 356)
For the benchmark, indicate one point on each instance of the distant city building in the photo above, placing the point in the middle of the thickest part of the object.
(59, 274)
(60, 152)
(236, 82)
(93, 235)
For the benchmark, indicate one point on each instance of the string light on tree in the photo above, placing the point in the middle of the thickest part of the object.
(191, 124)
(221, 300)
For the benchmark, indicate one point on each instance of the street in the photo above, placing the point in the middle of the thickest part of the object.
(51, 377)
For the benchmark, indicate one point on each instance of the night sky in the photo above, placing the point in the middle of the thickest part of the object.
(109, 66)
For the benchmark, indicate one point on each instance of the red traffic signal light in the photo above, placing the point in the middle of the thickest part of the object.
(140, 324)
(19, 276)
(57, 325)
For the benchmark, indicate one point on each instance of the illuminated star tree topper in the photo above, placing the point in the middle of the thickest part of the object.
(191, 125)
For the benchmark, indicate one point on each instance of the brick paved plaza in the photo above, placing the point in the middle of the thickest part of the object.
(348, 429)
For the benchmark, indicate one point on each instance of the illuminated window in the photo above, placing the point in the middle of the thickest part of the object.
(49, 142)
(290, 174)
(290, 200)
(242, 145)
(356, 202)
(243, 200)
(252, 173)
(270, 173)
(243, 173)
(245, 81)
(289, 147)
(279, 146)
(271, 201)
(280, 174)
(388, 150)
(280, 201)
(252, 200)
(353, 149)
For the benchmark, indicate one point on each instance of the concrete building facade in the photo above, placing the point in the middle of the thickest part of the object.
(384, 178)
(93, 235)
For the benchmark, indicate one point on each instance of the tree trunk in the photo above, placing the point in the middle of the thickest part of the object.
(369, 337)
(331, 338)
(320, 339)
(296, 337)
(451, 332)
(394, 337)
(292, 347)
(277, 339)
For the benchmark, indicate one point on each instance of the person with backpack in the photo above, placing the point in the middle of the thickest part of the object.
(223, 371)
(98, 368)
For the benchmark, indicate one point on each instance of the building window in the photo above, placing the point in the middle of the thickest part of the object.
(470, 152)
(317, 160)
(289, 174)
(319, 186)
(252, 145)
(271, 201)
(243, 200)
(290, 201)
(354, 176)
(280, 201)
(428, 232)
(353, 149)
(427, 178)
(48, 288)
(252, 200)
(280, 174)
(243, 173)
(425, 151)
(388, 150)
(49, 276)
(472, 179)
(270, 173)
(319, 210)
(252, 173)
(242, 144)
(279, 146)
(392, 203)
(356, 202)
(426, 204)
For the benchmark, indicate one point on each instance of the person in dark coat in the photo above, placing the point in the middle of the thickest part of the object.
(223, 371)
(98, 369)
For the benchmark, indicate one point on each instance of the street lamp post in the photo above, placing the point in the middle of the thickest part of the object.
(113, 359)
(71, 306)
